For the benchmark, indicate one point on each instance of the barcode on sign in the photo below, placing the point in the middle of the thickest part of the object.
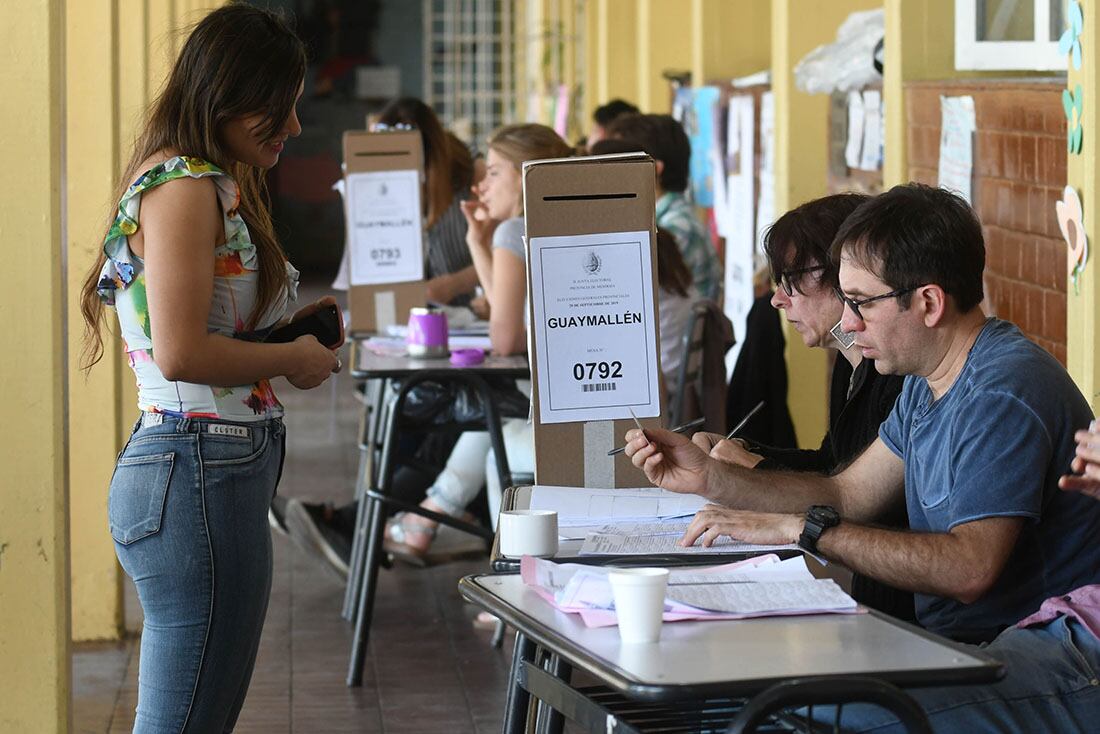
(598, 387)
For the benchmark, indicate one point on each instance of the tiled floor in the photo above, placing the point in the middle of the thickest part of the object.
(428, 670)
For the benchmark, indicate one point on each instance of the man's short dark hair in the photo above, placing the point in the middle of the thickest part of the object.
(607, 113)
(664, 139)
(914, 235)
(801, 238)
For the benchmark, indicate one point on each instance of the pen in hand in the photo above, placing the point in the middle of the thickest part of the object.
(745, 420)
(678, 429)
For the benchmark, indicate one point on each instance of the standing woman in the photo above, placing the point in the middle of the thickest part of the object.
(195, 273)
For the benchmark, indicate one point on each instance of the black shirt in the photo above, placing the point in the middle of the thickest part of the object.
(858, 403)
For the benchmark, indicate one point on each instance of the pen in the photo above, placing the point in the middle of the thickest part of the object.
(678, 429)
(745, 420)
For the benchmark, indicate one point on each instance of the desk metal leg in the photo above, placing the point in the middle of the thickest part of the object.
(498, 634)
(550, 720)
(367, 475)
(372, 558)
(518, 699)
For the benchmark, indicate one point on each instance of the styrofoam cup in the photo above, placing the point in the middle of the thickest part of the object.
(639, 602)
(528, 533)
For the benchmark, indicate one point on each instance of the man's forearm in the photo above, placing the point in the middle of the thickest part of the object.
(769, 491)
(929, 563)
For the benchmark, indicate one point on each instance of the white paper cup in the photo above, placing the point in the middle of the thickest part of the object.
(639, 602)
(528, 533)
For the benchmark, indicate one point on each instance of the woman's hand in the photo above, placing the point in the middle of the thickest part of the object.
(440, 289)
(1085, 466)
(480, 306)
(313, 363)
(317, 306)
(479, 227)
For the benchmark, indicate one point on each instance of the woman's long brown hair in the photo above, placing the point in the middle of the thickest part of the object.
(448, 165)
(238, 61)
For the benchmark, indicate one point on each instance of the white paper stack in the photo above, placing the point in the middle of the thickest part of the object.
(583, 506)
(759, 587)
(637, 521)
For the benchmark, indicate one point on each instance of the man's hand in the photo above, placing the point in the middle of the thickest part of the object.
(1085, 466)
(669, 460)
(729, 450)
(764, 528)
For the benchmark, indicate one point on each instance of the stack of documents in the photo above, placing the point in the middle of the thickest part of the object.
(759, 587)
(639, 521)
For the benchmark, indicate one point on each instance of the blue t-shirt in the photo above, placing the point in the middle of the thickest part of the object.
(994, 446)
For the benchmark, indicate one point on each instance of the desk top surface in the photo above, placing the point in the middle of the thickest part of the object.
(366, 364)
(735, 657)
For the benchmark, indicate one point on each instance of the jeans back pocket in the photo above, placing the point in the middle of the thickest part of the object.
(135, 505)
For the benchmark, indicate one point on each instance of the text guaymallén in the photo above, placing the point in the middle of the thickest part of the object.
(570, 322)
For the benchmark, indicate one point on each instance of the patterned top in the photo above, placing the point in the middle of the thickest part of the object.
(675, 214)
(447, 249)
(122, 285)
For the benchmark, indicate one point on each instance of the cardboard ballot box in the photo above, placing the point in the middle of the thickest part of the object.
(593, 339)
(383, 172)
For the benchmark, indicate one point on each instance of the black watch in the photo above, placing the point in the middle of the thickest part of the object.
(819, 518)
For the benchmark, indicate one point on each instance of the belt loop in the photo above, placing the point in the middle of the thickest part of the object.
(183, 425)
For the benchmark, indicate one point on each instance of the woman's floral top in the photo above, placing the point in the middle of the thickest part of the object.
(122, 285)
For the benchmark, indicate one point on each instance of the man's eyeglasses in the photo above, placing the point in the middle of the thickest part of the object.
(855, 304)
(789, 279)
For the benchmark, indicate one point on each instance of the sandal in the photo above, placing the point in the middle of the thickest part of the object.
(409, 541)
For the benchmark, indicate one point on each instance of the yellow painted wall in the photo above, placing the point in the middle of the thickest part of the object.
(616, 51)
(801, 159)
(161, 41)
(1083, 309)
(920, 35)
(91, 129)
(34, 575)
(591, 68)
(730, 38)
(664, 43)
(117, 56)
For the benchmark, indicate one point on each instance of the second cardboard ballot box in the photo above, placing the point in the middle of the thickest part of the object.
(593, 339)
(385, 226)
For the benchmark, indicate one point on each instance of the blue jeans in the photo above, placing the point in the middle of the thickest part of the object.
(1050, 685)
(188, 513)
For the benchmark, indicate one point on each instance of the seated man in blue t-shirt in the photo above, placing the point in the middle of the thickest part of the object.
(974, 447)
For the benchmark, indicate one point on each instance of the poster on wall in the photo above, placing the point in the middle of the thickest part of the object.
(870, 158)
(700, 130)
(741, 241)
(957, 145)
(765, 206)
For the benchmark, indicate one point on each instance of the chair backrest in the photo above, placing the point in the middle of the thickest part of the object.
(688, 391)
(816, 691)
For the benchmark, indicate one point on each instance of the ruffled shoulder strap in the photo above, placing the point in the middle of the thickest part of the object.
(118, 270)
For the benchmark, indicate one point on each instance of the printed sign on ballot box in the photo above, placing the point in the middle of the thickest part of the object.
(593, 313)
(384, 210)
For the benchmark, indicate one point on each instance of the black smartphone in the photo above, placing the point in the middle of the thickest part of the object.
(325, 324)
